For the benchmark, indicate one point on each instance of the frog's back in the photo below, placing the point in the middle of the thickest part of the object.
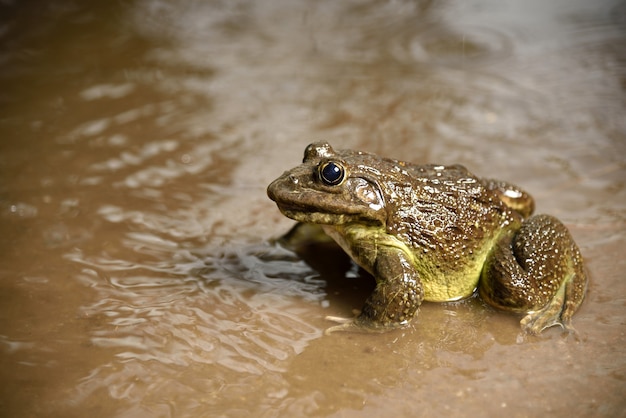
(450, 220)
(435, 204)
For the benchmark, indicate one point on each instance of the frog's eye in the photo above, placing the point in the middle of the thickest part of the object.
(332, 173)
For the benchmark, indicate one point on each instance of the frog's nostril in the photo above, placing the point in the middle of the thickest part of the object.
(293, 179)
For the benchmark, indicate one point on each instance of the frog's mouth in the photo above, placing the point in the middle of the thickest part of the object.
(306, 206)
(321, 207)
(315, 216)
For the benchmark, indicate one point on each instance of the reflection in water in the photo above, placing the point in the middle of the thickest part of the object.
(138, 278)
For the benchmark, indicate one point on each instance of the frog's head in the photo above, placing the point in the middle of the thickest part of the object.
(331, 187)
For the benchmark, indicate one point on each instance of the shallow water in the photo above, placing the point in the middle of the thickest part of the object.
(138, 273)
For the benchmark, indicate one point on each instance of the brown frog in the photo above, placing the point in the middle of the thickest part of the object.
(435, 233)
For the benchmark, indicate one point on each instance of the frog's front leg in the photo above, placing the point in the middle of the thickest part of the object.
(537, 270)
(302, 234)
(397, 295)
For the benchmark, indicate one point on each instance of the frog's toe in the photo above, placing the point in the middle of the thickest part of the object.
(343, 324)
(535, 322)
(359, 324)
(339, 319)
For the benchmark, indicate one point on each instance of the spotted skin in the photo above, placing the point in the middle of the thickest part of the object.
(435, 233)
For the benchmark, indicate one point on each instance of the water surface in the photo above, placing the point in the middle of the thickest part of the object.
(138, 274)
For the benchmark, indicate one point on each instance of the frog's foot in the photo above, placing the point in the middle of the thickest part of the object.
(303, 234)
(535, 322)
(358, 324)
(344, 324)
(354, 324)
(556, 312)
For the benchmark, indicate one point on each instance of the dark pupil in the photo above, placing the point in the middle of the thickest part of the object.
(331, 173)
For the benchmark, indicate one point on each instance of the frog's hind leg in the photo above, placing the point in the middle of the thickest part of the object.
(537, 271)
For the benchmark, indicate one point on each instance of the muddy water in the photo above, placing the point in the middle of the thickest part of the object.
(138, 276)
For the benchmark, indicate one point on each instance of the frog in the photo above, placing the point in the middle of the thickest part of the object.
(434, 233)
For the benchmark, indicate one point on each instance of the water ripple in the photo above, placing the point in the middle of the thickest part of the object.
(231, 311)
